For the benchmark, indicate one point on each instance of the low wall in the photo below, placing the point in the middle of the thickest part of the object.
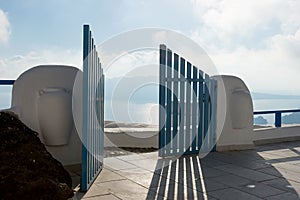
(131, 137)
(273, 134)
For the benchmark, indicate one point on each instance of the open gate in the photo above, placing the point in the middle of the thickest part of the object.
(93, 112)
(187, 107)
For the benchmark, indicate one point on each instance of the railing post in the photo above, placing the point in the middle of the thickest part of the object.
(277, 119)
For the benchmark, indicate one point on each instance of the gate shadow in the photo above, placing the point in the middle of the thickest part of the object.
(189, 177)
(173, 179)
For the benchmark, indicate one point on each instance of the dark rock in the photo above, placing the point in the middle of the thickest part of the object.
(27, 169)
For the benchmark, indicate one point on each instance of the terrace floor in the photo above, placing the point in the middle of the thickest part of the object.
(268, 172)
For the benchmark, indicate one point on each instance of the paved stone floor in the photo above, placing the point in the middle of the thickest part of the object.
(268, 172)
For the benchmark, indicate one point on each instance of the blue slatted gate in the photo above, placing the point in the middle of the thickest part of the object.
(93, 111)
(187, 107)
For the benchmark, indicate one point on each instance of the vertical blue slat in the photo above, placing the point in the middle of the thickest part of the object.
(206, 111)
(89, 110)
(162, 75)
(214, 117)
(92, 133)
(182, 105)
(84, 176)
(277, 119)
(92, 148)
(169, 102)
(194, 106)
(175, 105)
(200, 110)
(102, 113)
(188, 107)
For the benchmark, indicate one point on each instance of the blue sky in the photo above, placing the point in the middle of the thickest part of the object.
(258, 41)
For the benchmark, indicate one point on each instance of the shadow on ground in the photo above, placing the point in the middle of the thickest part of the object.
(269, 172)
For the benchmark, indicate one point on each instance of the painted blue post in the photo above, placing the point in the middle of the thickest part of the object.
(214, 114)
(194, 106)
(206, 111)
(86, 38)
(175, 105)
(162, 93)
(182, 105)
(188, 108)
(277, 119)
(200, 109)
(169, 102)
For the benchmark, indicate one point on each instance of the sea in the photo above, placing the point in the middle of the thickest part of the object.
(146, 112)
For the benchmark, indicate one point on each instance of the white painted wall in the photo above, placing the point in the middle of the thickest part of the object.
(49, 115)
(234, 105)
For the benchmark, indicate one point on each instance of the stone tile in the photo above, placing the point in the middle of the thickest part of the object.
(246, 173)
(232, 180)
(286, 152)
(115, 164)
(211, 162)
(107, 175)
(103, 197)
(296, 186)
(290, 175)
(231, 193)
(278, 154)
(145, 179)
(230, 168)
(152, 155)
(254, 175)
(251, 155)
(288, 166)
(178, 191)
(254, 164)
(148, 164)
(271, 171)
(149, 196)
(207, 185)
(283, 184)
(270, 156)
(208, 172)
(259, 189)
(220, 157)
(123, 188)
(284, 196)
(95, 190)
(133, 171)
(132, 157)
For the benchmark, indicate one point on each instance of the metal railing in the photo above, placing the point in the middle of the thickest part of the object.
(278, 114)
(7, 82)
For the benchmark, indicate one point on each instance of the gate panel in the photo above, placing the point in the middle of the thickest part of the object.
(93, 112)
(187, 108)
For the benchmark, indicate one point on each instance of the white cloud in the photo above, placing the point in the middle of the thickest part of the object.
(11, 68)
(258, 41)
(4, 27)
(273, 69)
(230, 23)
